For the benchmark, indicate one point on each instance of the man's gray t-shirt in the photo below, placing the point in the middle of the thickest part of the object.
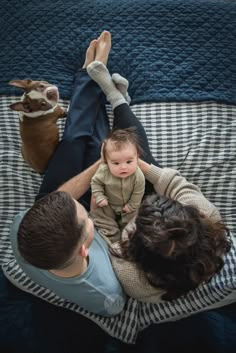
(97, 289)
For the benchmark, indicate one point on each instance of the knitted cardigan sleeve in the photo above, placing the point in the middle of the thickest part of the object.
(168, 182)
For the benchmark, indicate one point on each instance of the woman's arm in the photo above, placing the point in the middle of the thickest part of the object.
(145, 167)
(170, 183)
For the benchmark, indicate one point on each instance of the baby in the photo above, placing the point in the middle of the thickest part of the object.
(118, 185)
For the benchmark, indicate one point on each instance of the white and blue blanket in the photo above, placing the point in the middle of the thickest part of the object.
(180, 59)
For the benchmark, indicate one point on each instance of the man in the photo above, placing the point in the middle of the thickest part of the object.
(55, 242)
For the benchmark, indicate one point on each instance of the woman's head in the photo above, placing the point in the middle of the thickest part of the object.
(121, 152)
(176, 246)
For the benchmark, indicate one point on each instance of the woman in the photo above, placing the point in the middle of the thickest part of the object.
(177, 240)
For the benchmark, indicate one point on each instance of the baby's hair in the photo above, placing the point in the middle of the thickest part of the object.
(120, 137)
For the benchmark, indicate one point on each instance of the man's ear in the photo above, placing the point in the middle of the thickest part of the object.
(83, 251)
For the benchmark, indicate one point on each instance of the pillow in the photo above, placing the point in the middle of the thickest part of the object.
(219, 291)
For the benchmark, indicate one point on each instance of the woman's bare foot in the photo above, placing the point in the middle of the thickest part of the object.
(90, 53)
(103, 47)
(98, 71)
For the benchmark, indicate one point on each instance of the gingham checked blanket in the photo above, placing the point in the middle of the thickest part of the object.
(199, 139)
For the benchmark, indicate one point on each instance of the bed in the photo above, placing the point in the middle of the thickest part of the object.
(179, 57)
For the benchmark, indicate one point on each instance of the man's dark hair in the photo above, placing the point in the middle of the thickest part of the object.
(50, 232)
(175, 245)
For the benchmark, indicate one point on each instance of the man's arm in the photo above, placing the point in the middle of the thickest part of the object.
(78, 185)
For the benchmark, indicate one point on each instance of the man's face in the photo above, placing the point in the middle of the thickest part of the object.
(82, 216)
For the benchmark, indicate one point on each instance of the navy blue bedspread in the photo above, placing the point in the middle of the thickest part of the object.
(170, 50)
(30, 325)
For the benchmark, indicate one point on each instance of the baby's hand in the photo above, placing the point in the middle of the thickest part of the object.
(103, 203)
(126, 209)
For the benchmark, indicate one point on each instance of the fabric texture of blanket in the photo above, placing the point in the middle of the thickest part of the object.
(203, 149)
(170, 50)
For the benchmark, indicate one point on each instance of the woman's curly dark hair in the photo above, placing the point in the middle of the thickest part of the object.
(175, 245)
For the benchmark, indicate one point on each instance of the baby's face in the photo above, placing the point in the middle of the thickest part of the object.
(123, 162)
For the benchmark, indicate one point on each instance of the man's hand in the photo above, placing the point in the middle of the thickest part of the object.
(103, 203)
(126, 209)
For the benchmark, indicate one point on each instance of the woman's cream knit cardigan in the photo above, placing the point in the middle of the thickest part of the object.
(167, 182)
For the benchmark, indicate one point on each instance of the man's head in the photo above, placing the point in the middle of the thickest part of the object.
(121, 152)
(54, 231)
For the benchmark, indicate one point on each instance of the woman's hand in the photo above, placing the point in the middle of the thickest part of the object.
(145, 167)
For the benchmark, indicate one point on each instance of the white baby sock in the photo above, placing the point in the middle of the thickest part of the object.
(99, 73)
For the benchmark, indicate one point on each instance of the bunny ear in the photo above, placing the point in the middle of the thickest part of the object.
(20, 83)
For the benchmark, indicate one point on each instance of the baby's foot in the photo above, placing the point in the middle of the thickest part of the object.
(122, 85)
(103, 47)
(90, 53)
